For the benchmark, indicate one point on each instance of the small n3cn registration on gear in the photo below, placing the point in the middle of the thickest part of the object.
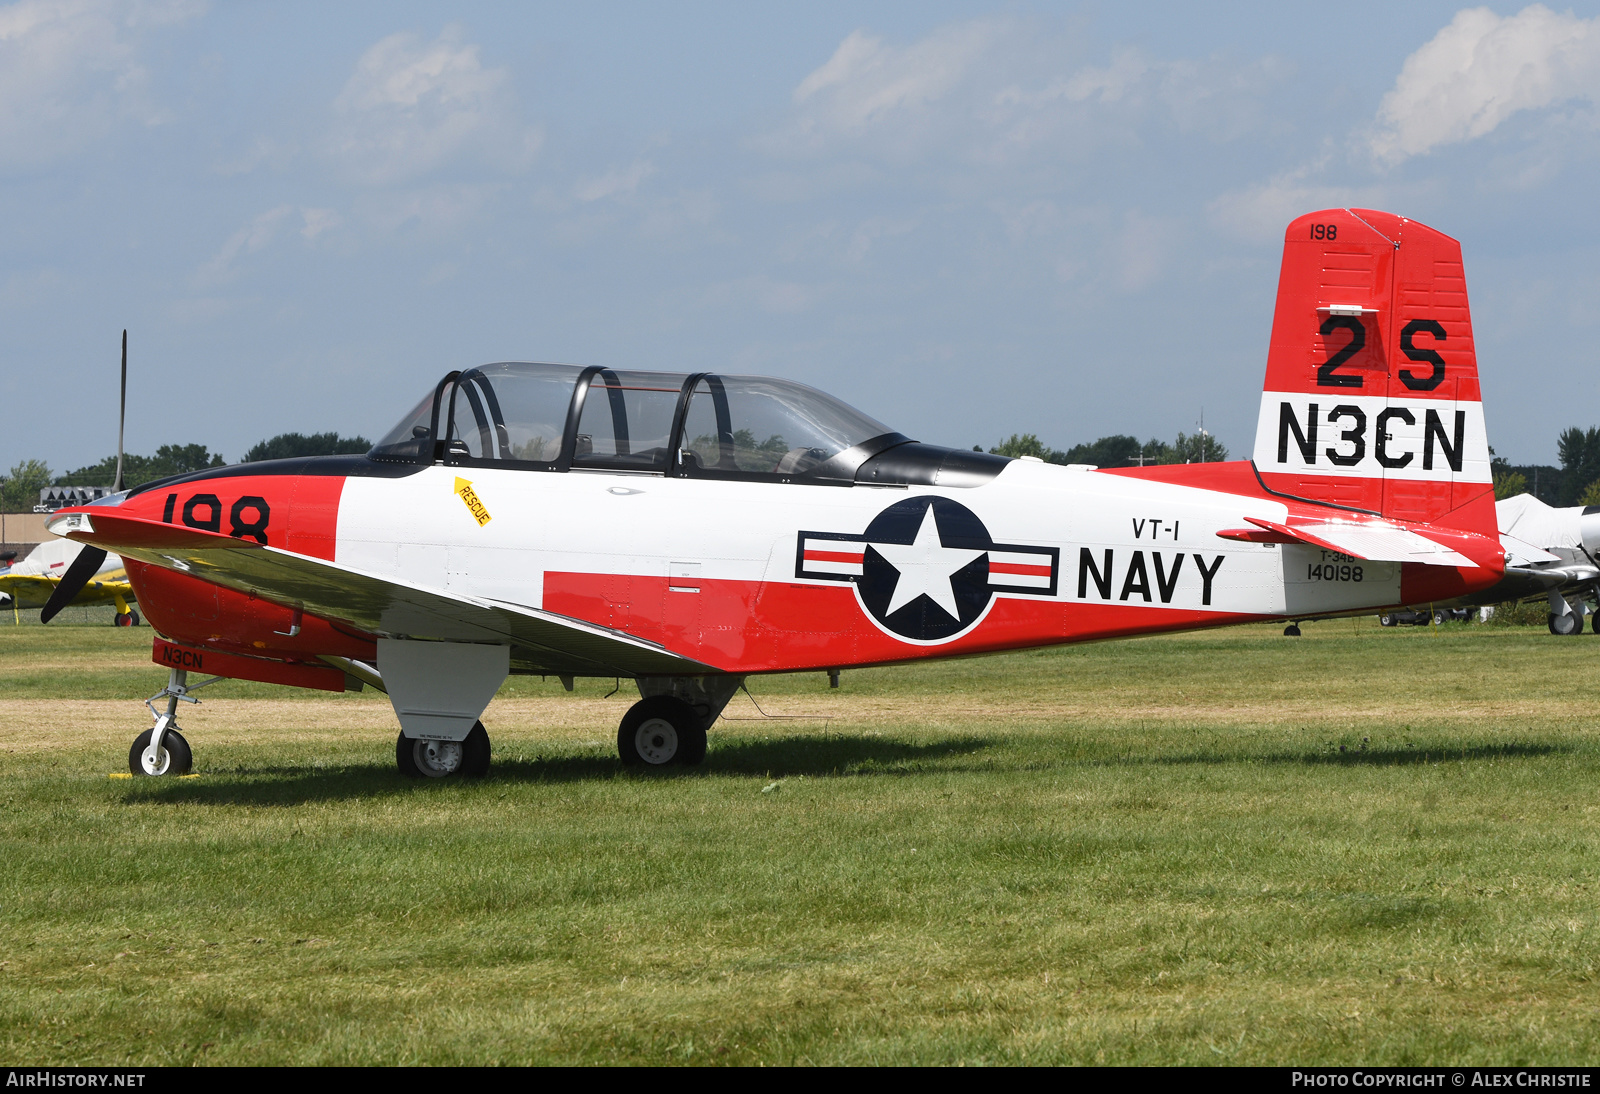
(688, 531)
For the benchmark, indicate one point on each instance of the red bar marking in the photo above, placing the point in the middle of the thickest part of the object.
(835, 556)
(1018, 568)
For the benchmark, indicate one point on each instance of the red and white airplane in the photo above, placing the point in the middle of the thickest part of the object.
(688, 531)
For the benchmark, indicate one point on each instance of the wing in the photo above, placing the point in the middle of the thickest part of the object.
(28, 590)
(378, 604)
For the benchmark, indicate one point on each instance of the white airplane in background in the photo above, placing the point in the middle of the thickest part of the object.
(1552, 550)
(688, 531)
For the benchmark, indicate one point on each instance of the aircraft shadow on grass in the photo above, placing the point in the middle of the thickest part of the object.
(840, 756)
(1371, 757)
(781, 758)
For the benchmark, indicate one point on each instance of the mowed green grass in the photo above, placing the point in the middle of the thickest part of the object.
(1363, 845)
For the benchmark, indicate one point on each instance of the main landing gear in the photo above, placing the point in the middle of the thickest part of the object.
(420, 759)
(659, 731)
(668, 725)
(128, 618)
(1566, 616)
(161, 750)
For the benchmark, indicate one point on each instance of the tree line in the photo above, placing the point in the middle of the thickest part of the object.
(19, 490)
(1575, 482)
(1118, 450)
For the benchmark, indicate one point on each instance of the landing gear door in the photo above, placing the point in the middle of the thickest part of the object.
(440, 689)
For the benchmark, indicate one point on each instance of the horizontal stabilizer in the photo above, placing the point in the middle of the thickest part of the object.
(376, 604)
(1521, 553)
(1373, 540)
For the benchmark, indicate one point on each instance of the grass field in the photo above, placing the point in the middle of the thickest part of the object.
(1364, 845)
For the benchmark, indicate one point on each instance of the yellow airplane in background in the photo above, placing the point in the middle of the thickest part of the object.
(29, 583)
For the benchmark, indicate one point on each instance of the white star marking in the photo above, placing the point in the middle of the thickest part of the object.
(925, 566)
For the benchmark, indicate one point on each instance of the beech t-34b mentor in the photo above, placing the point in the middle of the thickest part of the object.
(690, 530)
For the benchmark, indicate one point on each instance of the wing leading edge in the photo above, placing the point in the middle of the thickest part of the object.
(376, 604)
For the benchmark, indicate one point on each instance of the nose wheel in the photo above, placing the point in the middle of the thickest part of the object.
(419, 759)
(660, 731)
(171, 757)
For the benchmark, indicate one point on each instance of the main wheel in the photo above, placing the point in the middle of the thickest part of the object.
(1440, 618)
(1292, 631)
(659, 731)
(133, 619)
(120, 620)
(1571, 623)
(1594, 621)
(1385, 620)
(175, 757)
(419, 759)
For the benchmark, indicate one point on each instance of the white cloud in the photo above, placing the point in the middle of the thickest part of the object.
(891, 95)
(869, 232)
(70, 70)
(1139, 252)
(247, 240)
(1259, 214)
(260, 233)
(775, 296)
(1004, 91)
(316, 221)
(412, 108)
(616, 182)
(866, 81)
(1127, 70)
(262, 151)
(1480, 70)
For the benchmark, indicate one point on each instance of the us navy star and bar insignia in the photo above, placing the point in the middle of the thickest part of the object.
(473, 503)
(927, 568)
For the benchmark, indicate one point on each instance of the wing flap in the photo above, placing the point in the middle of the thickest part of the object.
(377, 604)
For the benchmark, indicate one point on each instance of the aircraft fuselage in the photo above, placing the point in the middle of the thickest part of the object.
(754, 577)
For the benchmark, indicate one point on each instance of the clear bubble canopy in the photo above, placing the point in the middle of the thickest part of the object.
(555, 417)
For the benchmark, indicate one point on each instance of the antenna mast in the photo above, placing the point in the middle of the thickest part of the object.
(122, 413)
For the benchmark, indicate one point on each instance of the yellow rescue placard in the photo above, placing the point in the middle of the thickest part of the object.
(473, 503)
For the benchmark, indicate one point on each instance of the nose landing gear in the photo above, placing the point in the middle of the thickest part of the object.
(162, 750)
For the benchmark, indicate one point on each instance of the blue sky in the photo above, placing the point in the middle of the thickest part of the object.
(967, 219)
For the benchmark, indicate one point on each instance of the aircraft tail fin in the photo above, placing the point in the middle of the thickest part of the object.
(1371, 400)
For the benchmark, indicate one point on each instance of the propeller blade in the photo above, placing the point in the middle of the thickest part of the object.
(72, 582)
